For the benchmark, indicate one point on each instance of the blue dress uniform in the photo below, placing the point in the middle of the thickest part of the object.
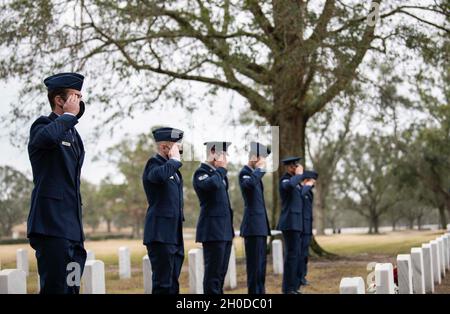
(255, 223)
(54, 226)
(308, 199)
(215, 224)
(163, 233)
(291, 224)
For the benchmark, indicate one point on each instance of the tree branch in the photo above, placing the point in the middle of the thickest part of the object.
(262, 21)
(346, 71)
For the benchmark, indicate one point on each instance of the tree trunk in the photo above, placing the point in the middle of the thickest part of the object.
(108, 226)
(292, 125)
(370, 221)
(289, 90)
(275, 206)
(376, 222)
(319, 209)
(411, 223)
(442, 217)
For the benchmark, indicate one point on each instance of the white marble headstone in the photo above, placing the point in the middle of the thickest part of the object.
(428, 268)
(404, 274)
(124, 263)
(196, 271)
(94, 277)
(231, 276)
(352, 285)
(442, 255)
(384, 278)
(147, 273)
(22, 260)
(277, 257)
(417, 266)
(446, 239)
(436, 262)
(13, 281)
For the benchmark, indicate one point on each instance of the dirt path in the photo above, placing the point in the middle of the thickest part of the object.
(444, 287)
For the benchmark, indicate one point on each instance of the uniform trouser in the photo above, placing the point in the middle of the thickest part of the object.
(306, 241)
(292, 256)
(255, 253)
(216, 255)
(54, 257)
(167, 260)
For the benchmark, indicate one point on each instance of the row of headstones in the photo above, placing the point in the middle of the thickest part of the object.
(13, 281)
(417, 272)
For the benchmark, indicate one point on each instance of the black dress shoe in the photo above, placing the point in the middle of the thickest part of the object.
(293, 292)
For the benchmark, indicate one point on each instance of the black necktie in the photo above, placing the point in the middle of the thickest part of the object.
(75, 142)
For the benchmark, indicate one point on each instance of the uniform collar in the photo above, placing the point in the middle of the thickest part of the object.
(209, 165)
(53, 116)
(249, 168)
(161, 157)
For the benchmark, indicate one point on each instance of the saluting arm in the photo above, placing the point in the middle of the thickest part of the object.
(49, 135)
(288, 184)
(306, 189)
(210, 182)
(250, 180)
(160, 174)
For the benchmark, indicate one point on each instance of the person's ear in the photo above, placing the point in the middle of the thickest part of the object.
(59, 101)
(210, 156)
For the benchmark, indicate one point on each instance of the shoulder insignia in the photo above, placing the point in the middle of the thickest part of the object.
(202, 177)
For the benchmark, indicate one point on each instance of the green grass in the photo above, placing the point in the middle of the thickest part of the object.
(388, 244)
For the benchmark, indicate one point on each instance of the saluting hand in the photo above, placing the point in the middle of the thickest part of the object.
(174, 152)
(221, 161)
(261, 163)
(72, 104)
(299, 169)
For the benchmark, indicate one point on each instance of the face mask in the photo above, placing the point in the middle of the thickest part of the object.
(180, 148)
(82, 108)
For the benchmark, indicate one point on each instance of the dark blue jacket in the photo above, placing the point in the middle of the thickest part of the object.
(163, 186)
(308, 199)
(216, 216)
(255, 221)
(291, 217)
(56, 154)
